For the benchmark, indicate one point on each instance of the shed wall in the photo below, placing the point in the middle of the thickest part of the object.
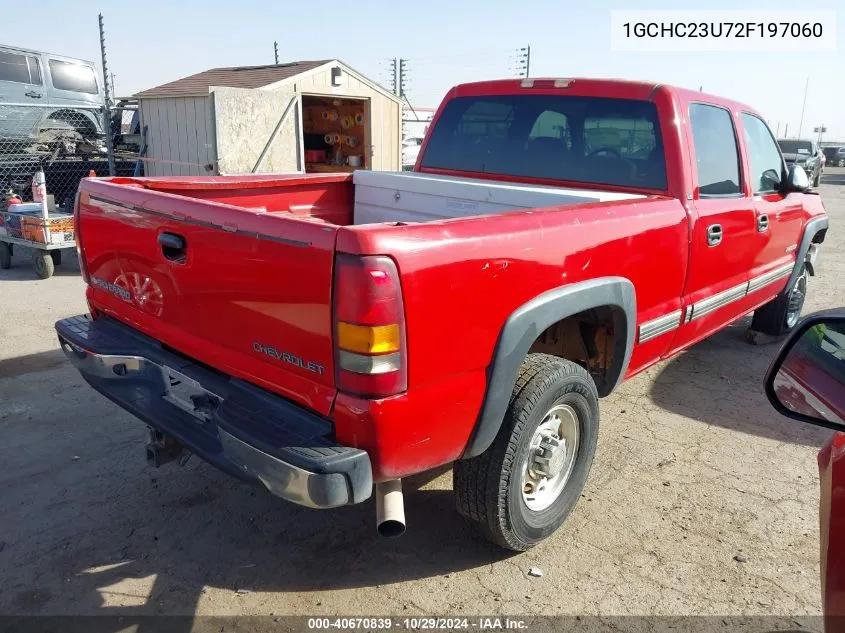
(180, 136)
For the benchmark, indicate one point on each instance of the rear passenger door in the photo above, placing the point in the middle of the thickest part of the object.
(723, 230)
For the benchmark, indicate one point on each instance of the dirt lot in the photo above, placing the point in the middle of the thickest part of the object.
(693, 469)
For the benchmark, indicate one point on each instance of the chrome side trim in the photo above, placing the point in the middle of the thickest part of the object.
(720, 300)
(773, 275)
(708, 305)
(658, 326)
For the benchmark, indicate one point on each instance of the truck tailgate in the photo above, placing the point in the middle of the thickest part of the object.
(247, 293)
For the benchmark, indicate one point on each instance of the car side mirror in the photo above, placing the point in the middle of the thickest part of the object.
(807, 379)
(797, 179)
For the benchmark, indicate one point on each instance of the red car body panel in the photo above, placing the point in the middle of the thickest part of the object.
(261, 257)
(832, 538)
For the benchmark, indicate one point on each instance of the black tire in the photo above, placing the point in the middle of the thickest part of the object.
(817, 178)
(5, 255)
(43, 262)
(780, 315)
(840, 162)
(57, 257)
(489, 487)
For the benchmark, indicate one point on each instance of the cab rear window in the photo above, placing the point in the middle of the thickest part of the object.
(580, 139)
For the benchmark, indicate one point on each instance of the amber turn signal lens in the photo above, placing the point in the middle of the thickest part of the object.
(368, 339)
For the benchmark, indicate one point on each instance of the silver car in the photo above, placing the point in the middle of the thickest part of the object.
(48, 101)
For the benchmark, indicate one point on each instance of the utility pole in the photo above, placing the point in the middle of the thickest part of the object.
(786, 130)
(393, 75)
(523, 61)
(801, 122)
(107, 106)
(276, 52)
(403, 72)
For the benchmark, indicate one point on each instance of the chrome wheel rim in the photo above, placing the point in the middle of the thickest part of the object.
(551, 457)
(796, 300)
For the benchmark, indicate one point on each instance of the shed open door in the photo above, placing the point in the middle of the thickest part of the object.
(258, 131)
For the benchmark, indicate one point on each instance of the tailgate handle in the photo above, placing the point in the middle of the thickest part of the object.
(173, 247)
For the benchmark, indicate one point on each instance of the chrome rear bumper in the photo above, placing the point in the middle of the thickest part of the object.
(240, 428)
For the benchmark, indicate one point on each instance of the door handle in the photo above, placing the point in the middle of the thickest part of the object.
(762, 223)
(714, 234)
(33, 94)
(173, 247)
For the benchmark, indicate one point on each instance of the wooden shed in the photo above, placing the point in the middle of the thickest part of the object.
(309, 116)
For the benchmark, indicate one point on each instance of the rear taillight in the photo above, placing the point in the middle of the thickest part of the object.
(77, 235)
(369, 327)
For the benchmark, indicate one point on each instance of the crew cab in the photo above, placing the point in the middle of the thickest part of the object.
(327, 335)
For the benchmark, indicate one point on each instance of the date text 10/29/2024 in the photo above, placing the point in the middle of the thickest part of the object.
(419, 624)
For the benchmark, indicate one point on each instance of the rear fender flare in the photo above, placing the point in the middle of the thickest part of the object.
(529, 321)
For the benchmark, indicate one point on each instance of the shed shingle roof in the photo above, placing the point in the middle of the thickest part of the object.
(234, 77)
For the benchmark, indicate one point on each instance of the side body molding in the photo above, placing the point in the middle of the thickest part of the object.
(529, 321)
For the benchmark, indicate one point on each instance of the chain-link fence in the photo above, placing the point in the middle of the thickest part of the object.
(67, 142)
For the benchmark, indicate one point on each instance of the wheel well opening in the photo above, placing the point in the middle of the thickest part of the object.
(75, 119)
(588, 338)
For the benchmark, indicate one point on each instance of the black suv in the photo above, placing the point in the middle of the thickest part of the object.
(835, 156)
(805, 154)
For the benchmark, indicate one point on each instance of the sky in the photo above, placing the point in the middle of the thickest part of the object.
(445, 42)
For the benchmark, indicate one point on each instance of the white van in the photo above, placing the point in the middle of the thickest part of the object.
(48, 100)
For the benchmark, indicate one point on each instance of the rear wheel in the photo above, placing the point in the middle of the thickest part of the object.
(781, 314)
(43, 262)
(523, 487)
(5, 255)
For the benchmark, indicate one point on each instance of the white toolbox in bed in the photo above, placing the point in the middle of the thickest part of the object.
(382, 196)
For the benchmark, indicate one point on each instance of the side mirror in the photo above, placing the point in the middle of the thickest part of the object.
(807, 379)
(797, 179)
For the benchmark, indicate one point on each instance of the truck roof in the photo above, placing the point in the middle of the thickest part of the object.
(584, 86)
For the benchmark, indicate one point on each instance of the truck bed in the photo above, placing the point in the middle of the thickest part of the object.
(370, 197)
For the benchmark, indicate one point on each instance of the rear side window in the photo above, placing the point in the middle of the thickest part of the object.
(73, 77)
(716, 154)
(22, 69)
(553, 137)
(766, 163)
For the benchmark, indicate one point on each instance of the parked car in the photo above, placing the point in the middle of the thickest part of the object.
(321, 333)
(806, 154)
(411, 150)
(835, 156)
(807, 382)
(48, 100)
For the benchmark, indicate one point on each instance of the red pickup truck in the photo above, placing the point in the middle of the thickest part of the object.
(324, 333)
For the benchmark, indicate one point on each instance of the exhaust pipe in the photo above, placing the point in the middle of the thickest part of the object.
(390, 508)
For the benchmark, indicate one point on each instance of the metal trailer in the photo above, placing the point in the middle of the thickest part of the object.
(45, 236)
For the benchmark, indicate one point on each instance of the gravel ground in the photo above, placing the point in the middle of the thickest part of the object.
(694, 472)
